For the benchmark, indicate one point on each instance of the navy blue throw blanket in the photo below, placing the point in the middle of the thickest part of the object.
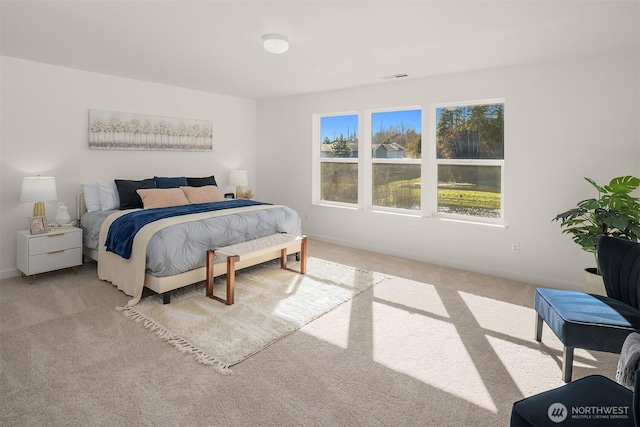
(123, 230)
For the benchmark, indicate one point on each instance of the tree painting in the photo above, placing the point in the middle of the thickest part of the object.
(128, 131)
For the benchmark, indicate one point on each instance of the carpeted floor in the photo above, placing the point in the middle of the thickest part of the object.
(430, 346)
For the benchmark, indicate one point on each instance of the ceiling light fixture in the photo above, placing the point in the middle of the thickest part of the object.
(275, 43)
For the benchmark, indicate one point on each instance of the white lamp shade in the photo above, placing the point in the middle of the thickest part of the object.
(38, 189)
(239, 178)
(275, 43)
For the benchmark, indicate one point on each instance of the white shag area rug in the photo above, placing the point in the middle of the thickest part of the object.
(270, 303)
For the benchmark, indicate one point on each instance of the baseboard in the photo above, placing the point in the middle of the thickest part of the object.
(535, 280)
(5, 274)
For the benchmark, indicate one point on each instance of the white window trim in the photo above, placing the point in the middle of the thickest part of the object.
(368, 162)
(429, 169)
(434, 162)
(317, 160)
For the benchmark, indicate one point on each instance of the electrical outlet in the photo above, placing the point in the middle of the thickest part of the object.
(515, 248)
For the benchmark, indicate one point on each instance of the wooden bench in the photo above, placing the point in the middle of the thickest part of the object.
(255, 252)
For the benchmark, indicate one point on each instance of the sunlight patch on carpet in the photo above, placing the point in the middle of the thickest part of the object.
(514, 320)
(425, 348)
(413, 296)
(336, 332)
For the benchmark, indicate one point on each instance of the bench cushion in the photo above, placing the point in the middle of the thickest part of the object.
(255, 247)
(592, 322)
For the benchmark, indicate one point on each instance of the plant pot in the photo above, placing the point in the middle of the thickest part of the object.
(593, 282)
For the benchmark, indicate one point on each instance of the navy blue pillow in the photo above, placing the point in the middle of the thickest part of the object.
(170, 182)
(201, 182)
(129, 198)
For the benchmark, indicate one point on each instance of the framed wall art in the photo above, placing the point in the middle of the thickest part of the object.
(109, 130)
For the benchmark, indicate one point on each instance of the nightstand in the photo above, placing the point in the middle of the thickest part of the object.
(40, 253)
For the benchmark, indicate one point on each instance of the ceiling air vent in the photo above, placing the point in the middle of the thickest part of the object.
(396, 76)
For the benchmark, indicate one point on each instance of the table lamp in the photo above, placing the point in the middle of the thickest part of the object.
(38, 189)
(238, 179)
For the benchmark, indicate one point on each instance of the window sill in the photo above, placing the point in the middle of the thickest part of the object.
(336, 205)
(471, 222)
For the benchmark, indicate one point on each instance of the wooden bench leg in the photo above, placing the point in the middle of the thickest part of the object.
(283, 259)
(231, 276)
(210, 255)
(303, 255)
(303, 258)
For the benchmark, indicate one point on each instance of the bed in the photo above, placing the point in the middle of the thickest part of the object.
(170, 253)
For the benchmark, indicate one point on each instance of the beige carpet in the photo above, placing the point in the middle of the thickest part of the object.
(430, 346)
(270, 303)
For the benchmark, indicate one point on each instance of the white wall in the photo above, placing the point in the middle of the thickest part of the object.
(44, 131)
(563, 121)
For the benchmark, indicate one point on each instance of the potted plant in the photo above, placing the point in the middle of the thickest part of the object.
(613, 213)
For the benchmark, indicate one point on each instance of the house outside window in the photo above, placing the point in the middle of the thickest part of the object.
(396, 152)
(469, 146)
(339, 152)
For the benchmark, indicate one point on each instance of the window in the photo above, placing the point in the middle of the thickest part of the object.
(396, 150)
(469, 146)
(463, 176)
(339, 158)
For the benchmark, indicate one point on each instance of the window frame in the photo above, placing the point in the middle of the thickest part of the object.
(434, 163)
(369, 160)
(316, 168)
(429, 164)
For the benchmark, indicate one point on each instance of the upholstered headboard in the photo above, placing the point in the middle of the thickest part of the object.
(81, 207)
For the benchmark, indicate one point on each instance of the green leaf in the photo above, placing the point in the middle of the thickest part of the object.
(571, 213)
(634, 231)
(623, 184)
(618, 221)
(597, 187)
(589, 204)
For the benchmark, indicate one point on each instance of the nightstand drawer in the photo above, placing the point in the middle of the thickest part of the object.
(54, 260)
(55, 242)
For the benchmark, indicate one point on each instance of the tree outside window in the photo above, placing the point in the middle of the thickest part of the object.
(470, 159)
(339, 158)
(396, 150)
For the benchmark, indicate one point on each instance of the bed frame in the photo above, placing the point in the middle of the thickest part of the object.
(164, 285)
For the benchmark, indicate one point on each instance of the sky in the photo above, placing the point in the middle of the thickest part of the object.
(332, 126)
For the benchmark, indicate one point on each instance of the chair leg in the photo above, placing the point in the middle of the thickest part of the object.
(538, 327)
(567, 364)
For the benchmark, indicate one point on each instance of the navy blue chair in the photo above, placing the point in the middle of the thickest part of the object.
(595, 322)
(590, 401)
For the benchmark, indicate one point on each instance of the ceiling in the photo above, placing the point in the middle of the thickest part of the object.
(215, 46)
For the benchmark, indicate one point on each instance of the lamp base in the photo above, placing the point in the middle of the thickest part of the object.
(38, 209)
(239, 192)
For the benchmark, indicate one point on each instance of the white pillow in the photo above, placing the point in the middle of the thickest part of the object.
(109, 198)
(92, 197)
